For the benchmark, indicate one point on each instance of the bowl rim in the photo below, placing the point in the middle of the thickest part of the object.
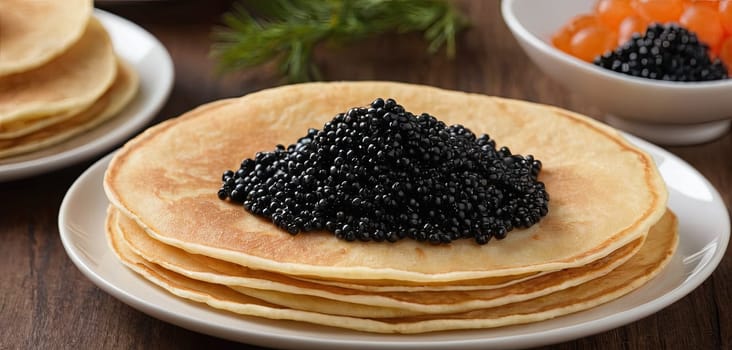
(514, 24)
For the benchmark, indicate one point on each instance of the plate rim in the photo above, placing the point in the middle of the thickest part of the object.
(311, 340)
(67, 157)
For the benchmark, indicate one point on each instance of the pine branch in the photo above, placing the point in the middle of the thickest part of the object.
(289, 30)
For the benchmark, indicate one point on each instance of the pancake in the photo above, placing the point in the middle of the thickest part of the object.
(21, 127)
(286, 291)
(407, 286)
(605, 192)
(107, 106)
(647, 263)
(195, 264)
(72, 80)
(32, 32)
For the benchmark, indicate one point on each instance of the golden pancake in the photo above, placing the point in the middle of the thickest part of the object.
(32, 32)
(107, 106)
(407, 286)
(157, 252)
(72, 80)
(445, 302)
(21, 127)
(605, 192)
(286, 291)
(656, 252)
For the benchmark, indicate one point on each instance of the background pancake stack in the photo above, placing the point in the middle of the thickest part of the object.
(59, 75)
(607, 232)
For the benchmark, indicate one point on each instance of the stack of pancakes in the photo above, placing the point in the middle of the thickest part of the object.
(608, 230)
(59, 75)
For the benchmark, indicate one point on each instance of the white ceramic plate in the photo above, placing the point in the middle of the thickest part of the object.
(155, 68)
(704, 233)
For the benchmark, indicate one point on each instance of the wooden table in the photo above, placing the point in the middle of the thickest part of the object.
(46, 303)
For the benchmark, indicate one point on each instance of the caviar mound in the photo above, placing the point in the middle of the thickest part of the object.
(665, 52)
(381, 173)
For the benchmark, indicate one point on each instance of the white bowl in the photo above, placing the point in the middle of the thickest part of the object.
(671, 113)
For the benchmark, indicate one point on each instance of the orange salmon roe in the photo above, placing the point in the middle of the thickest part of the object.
(707, 3)
(725, 15)
(563, 37)
(705, 22)
(661, 11)
(591, 42)
(611, 12)
(725, 53)
(581, 22)
(630, 25)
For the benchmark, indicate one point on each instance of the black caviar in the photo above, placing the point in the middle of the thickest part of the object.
(664, 52)
(383, 174)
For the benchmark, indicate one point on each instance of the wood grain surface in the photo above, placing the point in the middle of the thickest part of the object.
(46, 303)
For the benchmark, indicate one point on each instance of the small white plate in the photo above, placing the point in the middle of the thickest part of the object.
(155, 68)
(704, 233)
(666, 112)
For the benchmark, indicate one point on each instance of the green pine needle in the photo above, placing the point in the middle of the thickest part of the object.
(288, 30)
